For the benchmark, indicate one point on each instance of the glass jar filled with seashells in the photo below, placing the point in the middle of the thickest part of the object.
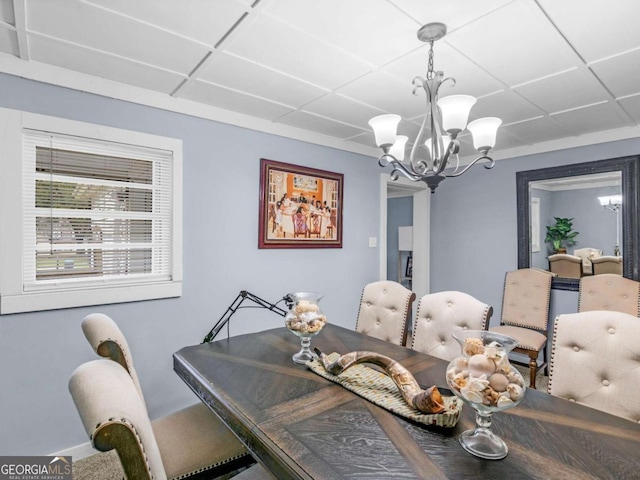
(305, 319)
(484, 379)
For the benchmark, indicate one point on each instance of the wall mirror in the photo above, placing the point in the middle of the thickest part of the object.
(573, 191)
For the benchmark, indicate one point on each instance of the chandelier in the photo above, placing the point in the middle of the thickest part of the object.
(446, 117)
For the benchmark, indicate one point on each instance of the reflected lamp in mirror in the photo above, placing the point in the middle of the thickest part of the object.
(611, 202)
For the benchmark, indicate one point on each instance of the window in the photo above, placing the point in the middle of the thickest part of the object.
(100, 219)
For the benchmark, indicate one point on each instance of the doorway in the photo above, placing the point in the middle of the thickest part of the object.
(421, 228)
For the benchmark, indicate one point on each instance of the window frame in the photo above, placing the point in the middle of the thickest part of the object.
(13, 296)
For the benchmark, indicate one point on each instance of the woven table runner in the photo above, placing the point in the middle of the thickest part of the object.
(380, 389)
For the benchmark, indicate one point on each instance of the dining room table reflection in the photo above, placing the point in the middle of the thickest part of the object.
(301, 426)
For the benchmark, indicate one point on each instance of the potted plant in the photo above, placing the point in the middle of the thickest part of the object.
(561, 235)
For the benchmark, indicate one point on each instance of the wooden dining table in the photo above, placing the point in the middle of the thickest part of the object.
(300, 425)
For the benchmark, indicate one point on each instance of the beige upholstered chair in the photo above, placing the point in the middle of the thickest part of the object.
(587, 254)
(439, 315)
(607, 264)
(609, 292)
(565, 265)
(385, 309)
(115, 417)
(212, 446)
(525, 314)
(595, 361)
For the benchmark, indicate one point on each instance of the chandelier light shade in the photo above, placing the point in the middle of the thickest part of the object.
(445, 118)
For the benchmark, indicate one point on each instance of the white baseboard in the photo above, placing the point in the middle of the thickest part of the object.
(78, 452)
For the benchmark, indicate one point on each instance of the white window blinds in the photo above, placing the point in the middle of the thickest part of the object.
(95, 212)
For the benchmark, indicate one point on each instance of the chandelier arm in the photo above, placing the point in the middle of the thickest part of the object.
(387, 159)
(400, 168)
(484, 156)
(420, 166)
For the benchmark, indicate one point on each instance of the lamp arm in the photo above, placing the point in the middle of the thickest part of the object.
(484, 156)
(235, 305)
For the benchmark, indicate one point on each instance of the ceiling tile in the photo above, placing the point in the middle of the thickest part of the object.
(595, 118)
(516, 43)
(7, 13)
(318, 124)
(470, 79)
(98, 64)
(506, 105)
(620, 74)
(360, 27)
(86, 25)
(452, 14)
(8, 41)
(240, 74)
(564, 91)
(342, 109)
(295, 53)
(598, 28)
(385, 92)
(632, 107)
(201, 20)
(536, 130)
(235, 101)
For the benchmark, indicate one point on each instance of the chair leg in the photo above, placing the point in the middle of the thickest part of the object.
(533, 369)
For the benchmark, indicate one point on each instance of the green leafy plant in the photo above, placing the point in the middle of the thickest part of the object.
(561, 235)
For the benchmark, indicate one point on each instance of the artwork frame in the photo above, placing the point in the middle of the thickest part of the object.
(299, 206)
(409, 270)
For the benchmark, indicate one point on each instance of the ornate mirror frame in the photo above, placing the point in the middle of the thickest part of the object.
(630, 170)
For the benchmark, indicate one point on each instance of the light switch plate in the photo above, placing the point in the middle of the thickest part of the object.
(373, 242)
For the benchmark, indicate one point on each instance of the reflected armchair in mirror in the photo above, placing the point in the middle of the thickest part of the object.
(565, 265)
(607, 264)
(587, 254)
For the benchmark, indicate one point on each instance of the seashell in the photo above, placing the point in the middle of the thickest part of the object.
(477, 384)
(503, 401)
(498, 382)
(461, 363)
(473, 346)
(451, 373)
(513, 378)
(479, 364)
(515, 391)
(472, 396)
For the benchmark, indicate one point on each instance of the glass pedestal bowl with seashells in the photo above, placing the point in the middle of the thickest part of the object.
(305, 319)
(485, 380)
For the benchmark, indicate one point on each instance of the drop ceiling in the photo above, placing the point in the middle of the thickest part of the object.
(558, 72)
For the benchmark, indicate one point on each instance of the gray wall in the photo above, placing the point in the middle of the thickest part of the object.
(38, 351)
(399, 214)
(474, 225)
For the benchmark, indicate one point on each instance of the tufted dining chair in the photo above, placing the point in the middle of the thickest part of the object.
(442, 313)
(385, 310)
(595, 361)
(587, 254)
(115, 417)
(609, 292)
(525, 314)
(211, 445)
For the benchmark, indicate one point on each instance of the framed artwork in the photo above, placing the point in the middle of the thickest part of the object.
(300, 207)
(409, 270)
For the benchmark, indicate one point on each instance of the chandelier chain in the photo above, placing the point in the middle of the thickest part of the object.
(430, 67)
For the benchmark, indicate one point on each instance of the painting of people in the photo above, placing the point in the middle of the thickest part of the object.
(300, 207)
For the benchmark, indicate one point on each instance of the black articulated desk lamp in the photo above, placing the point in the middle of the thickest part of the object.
(237, 304)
